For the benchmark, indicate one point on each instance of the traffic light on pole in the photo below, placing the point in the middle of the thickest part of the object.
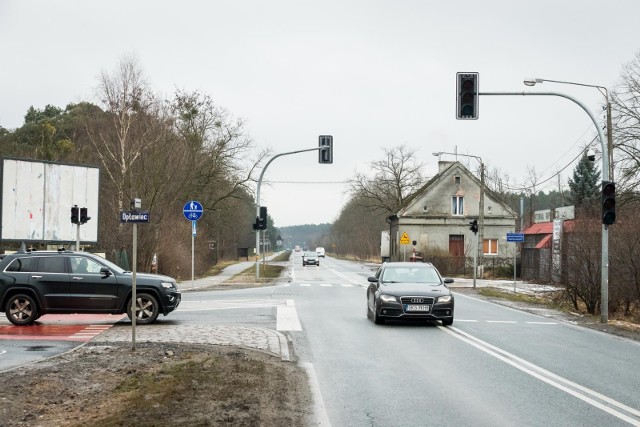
(473, 226)
(467, 96)
(263, 218)
(325, 154)
(608, 202)
(84, 216)
(75, 215)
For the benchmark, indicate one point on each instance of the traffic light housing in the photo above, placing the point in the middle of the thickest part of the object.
(325, 154)
(262, 220)
(473, 226)
(467, 96)
(83, 216)
(75, 215)
(608, 202)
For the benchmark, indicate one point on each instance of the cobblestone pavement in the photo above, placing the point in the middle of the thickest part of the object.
(263, 339)
(257, 338)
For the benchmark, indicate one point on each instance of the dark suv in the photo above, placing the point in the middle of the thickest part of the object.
(37, 283)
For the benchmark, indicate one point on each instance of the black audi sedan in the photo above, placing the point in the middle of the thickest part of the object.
(409, 291)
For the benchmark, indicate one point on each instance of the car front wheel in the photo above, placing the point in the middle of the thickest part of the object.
(376, 318)
(147, 309)
(22, 310)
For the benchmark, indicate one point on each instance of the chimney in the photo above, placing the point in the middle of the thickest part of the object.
(443, 164)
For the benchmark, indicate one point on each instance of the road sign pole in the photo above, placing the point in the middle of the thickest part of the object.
(515, 251)
(193, 241)
(134, 297)
(475, 262)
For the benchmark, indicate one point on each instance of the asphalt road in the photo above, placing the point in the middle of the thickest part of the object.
(495, 366)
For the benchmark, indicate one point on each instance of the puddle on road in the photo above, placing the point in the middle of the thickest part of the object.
(38, 347)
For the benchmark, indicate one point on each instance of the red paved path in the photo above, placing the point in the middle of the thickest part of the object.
(61, 327)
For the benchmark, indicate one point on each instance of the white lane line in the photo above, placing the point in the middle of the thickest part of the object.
(548, 377)
(466, 320)
(542, 323)
(326, 285)
(305, 284)
(287, 317)
(320, 412)
(346, 285)
(501, 321)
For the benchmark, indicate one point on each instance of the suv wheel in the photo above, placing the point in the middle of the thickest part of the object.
(147, 309)
(22, 310)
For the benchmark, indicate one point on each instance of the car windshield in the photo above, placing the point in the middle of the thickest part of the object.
(310, 254)
(410, 275)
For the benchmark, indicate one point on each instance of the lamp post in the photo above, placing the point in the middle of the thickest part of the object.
(603, 90)
(480, 241)
(607, 175)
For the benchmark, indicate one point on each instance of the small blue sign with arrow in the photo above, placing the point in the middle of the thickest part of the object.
(192, 210)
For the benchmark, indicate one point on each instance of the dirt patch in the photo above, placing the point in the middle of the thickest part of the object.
(156, 385)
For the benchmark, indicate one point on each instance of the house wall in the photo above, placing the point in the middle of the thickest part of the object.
(429, 219)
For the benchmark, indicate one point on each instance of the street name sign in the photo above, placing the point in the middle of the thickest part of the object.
(515, 237)
(134, 216)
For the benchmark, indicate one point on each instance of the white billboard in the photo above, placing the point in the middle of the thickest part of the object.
(37, 198)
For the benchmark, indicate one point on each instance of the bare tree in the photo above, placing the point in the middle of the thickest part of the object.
(625, 103)
(395, 177)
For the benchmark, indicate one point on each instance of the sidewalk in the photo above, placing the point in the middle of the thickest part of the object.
(507, 285)
(227, 273)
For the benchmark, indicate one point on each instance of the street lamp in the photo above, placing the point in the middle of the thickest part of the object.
(480, 242)
(531, 81)
(607, 175)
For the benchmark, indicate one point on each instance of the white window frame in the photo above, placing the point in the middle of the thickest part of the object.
(457, 205)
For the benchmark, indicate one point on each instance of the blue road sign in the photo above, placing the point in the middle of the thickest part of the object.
(515, 237)
(192, 210)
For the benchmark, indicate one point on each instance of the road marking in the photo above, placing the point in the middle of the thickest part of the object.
(321, 418)
(542, 323)
(583, 393)
(287, 317)
(346, 285)
(326, 285)
(501, 321)
(466, 320)
(305, 284)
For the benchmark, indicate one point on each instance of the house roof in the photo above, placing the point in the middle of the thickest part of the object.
(547, 227)
(545, 242)
(430, 183)
(540, 228)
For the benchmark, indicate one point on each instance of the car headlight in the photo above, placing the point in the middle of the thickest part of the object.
(387, 298)
(446, 298)
(168, 285)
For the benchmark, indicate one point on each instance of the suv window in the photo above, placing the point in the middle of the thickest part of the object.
(51, 264)
(22, 265)
(83, 265)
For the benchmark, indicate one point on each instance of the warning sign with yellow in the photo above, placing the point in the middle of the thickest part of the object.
(404, 240)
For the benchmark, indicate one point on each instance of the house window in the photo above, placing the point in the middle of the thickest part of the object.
(490, 247)
(456, 180)
(457, 205)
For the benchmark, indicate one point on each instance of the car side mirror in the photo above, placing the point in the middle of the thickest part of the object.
(373, 279)
(105, 272)
(448, 280)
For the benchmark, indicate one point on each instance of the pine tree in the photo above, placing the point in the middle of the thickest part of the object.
(584, 188)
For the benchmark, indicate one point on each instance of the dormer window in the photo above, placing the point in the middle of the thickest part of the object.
(457, 205)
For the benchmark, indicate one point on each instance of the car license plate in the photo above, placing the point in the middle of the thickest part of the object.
(417, 307)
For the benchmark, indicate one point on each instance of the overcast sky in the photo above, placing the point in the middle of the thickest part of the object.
(373, 74)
